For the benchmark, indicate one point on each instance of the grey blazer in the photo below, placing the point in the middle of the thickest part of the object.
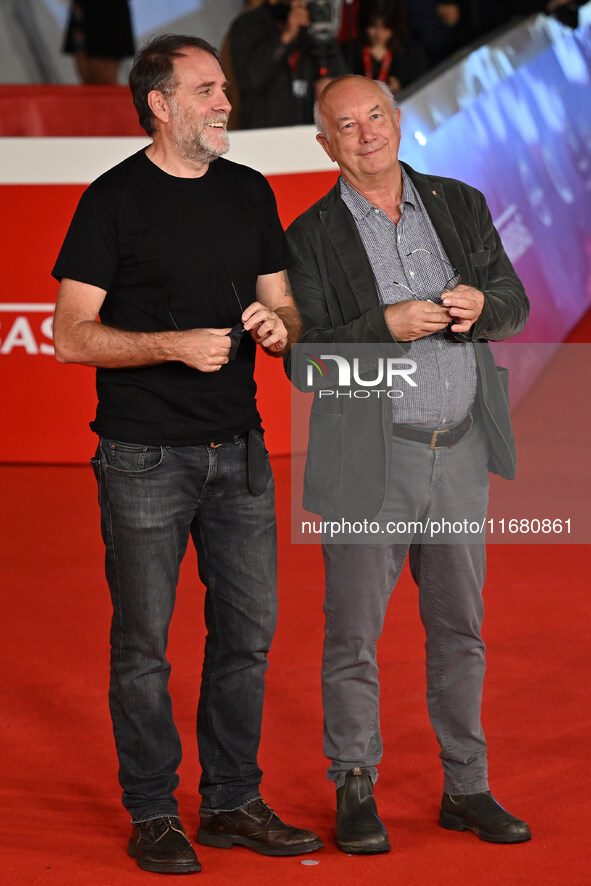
(336, 294)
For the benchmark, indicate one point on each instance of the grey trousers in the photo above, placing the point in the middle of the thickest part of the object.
(359, 581)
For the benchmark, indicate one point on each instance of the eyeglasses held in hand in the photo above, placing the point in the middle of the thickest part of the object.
(450, 285)
(235, 333)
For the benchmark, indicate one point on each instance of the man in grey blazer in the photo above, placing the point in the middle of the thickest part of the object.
(411, 263)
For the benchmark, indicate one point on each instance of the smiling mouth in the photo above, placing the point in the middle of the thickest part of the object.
(221, 125)
(372, 151)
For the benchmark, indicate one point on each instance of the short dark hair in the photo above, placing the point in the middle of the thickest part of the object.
(153, 68)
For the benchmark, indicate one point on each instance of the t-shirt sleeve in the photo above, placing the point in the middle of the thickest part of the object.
(89, 252)
(276, 255)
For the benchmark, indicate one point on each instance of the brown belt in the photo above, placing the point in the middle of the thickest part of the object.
(443, 439)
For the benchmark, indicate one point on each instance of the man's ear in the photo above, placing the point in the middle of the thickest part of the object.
(322, 140)
(159, 106)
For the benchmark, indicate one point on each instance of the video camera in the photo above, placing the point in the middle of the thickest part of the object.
(321, 25)
(319, 44)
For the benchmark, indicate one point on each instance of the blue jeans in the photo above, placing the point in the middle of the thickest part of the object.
(152, 499)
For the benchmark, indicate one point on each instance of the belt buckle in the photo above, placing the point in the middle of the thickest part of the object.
(433, 443)
(434, 435)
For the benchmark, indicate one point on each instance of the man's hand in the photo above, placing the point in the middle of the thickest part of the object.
(204, 349)
(409, 320)
(80, 338)
(265, 327)
(465, 307)
(298, 18)
(394, 85)
(449, 13)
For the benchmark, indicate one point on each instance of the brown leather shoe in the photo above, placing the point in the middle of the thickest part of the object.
(162, 846)
(256, 826)
(359, 829)
(482, 814)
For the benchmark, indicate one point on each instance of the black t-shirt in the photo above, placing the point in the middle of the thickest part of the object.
(167, 251)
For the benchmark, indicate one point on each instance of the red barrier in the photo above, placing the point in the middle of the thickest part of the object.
(67, 110)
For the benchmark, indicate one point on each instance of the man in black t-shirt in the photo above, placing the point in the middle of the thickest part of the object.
(184, 261)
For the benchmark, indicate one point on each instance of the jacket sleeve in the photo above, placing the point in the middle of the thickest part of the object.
(506, 306)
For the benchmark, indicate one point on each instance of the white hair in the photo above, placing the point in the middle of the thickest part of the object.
(320, 120)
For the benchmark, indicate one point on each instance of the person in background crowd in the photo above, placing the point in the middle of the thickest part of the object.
(385, 52)
(446, 26)
(232, 91)
(281, 60)
(440, 27)
(99, 35)
(486, 15)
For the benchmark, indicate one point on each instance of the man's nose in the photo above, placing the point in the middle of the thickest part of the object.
(222, 103)
(366, 132)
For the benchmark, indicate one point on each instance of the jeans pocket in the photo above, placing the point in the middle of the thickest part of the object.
(95, 463)
(130, 458)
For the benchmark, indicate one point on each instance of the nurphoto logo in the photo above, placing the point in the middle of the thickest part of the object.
(366, 374)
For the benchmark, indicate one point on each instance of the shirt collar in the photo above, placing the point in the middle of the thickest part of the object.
(360, 207)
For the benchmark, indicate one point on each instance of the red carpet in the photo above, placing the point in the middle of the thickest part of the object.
(62, 824)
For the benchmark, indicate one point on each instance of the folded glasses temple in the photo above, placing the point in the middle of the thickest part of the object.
(453, 282)
(237, 331)
(234, 290)
(171, 315)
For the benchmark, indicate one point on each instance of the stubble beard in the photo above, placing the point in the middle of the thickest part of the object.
(201, 143)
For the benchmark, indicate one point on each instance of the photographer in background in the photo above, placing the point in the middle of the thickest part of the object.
(282, 55)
